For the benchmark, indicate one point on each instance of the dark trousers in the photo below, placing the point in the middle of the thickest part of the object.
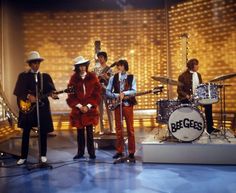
(209, 118)
(25, 143)
(81, 140)
(208, 115)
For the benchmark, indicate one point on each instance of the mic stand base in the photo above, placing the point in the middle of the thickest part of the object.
(39, 165)
(124, 160)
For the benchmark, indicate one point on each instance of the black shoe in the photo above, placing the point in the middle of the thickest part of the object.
(131, 156)
(92, 157)
(216, 130)
(78, 156)
(117, 155)
(213, 130)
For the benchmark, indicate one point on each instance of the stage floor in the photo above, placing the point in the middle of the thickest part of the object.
(101, 175)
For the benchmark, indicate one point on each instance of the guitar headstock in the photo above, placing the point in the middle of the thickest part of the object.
(112, 65)
(70, 90)
(157, 89)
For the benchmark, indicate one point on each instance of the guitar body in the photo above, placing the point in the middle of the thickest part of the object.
(25, 106)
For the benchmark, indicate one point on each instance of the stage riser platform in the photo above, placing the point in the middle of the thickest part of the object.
(189, 153)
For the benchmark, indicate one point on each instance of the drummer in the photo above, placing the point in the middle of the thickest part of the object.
(188, 82)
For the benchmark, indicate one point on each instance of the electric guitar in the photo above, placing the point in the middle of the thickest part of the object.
(114, 103)
(25, 106)
(101, 77)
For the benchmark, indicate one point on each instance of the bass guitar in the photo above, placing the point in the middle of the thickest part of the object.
(25, 106)
(114, 103)
(101, 77)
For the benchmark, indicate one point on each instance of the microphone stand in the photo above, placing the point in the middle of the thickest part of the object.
(40, 164)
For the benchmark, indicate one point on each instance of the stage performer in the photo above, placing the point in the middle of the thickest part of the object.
(84, 102)
(188, 82)
(25, 90)
(104, 72)
(120, 87)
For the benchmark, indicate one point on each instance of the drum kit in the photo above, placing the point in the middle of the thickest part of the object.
(186, 122)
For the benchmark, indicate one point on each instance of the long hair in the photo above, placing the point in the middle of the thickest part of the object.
(77, 70)
(190, 64)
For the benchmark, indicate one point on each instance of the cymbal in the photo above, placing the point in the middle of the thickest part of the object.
(166, 80)
(223, 77)
(223, 85)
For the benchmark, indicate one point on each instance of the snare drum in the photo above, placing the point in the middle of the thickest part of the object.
(206, 94)
(164, 108)
(186, 123)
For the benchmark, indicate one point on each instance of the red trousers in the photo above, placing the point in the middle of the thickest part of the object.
(128, 114)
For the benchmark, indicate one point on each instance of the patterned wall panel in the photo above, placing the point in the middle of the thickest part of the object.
(137, 35)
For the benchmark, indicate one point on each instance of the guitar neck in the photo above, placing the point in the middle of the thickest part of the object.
(48, 94)
(107, 68)
(138, 94)
(60, 92)
(143, 93)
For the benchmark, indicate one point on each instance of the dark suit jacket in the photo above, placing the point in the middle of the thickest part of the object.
(185, 86)
(26, 85)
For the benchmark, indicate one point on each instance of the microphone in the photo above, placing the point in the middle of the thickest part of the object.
(36, 77)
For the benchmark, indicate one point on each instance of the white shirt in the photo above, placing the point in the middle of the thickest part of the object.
(195, 81)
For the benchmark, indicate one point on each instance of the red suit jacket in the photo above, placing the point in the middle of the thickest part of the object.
(92, 96)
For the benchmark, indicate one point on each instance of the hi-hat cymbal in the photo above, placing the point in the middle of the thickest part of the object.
(166, 80)
(223, 77)
(223, 85)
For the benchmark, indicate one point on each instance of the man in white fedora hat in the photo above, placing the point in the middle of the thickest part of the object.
(25, 91)
(34, 56)
(83, 104)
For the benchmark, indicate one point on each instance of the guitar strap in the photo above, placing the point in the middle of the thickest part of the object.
(130, 77)
(41, 83)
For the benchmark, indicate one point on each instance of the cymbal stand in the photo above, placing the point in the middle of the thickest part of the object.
(168, 92)
(169, 136)
(223, 111)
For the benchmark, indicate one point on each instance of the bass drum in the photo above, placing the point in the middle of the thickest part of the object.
(186, 123)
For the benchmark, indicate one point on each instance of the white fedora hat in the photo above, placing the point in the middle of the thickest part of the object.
(34, 55)
(80, 60)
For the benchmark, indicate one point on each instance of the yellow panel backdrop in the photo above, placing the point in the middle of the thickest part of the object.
(211, 27)
(140, 37)
(137, 35)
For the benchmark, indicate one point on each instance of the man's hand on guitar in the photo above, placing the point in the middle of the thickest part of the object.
(31, 98)
(104, 76)
(121, 96)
